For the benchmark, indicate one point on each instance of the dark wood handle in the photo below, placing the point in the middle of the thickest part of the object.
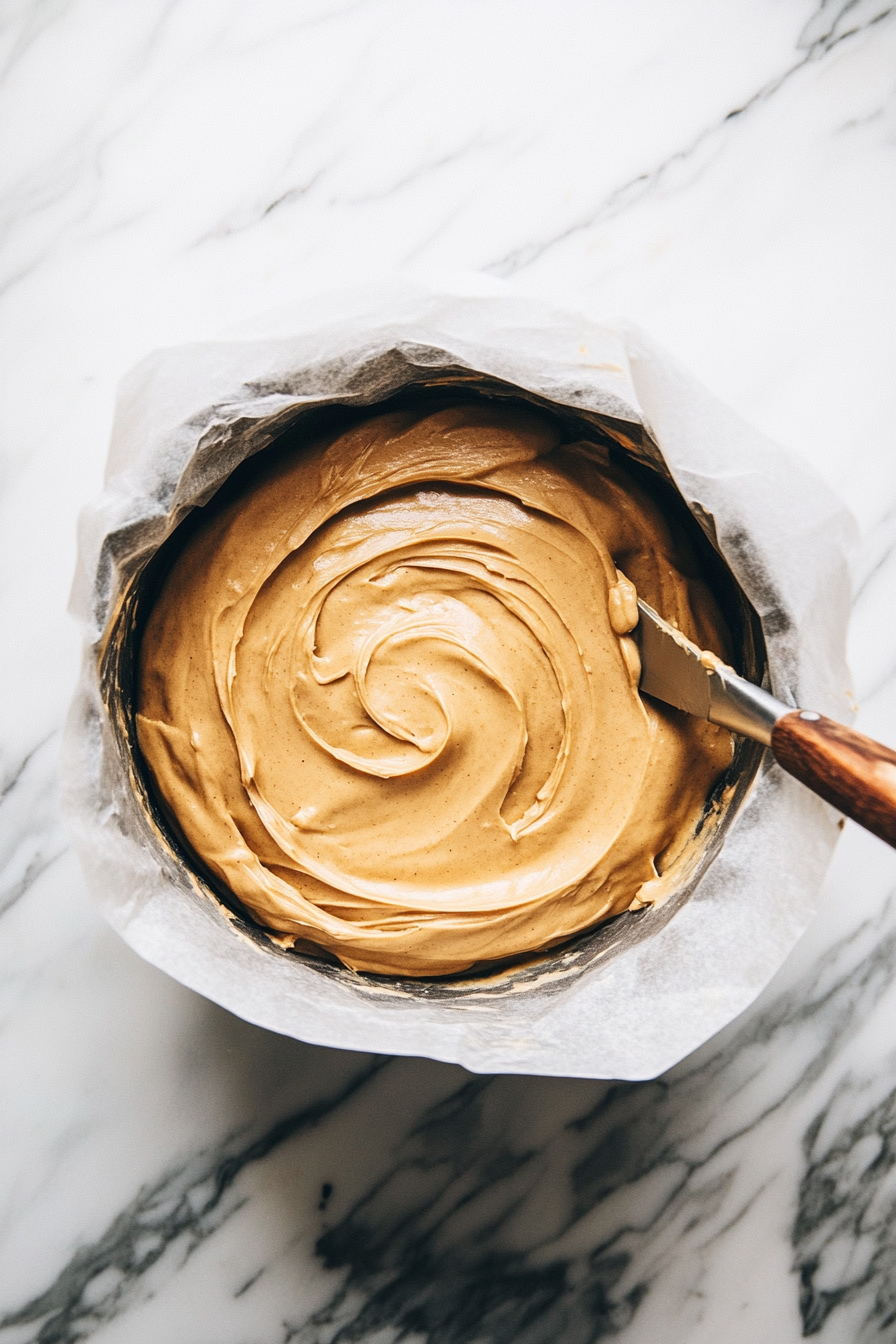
(853, 772)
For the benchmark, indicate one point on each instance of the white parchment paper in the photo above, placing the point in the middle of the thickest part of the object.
(645, 990)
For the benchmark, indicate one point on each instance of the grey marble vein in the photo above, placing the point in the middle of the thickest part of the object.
(835, 21)
(159, 1230)
(174, 168)
(448, 1247)
(474, 1232)
(31, 835)
(844, 1235)
(875, 583)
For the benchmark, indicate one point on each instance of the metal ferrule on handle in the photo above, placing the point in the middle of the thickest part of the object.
(676, 671)
(851, 771)
(743, 708)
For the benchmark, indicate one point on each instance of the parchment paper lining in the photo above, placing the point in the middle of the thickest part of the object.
(628, 999)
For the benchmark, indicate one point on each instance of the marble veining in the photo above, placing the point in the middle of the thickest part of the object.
(721, 173)
(31, 836)
(828, 26)
(504, 1214)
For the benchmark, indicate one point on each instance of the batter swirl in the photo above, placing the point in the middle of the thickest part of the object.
(389, 694)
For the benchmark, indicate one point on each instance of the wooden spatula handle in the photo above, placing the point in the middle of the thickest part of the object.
(853, 772)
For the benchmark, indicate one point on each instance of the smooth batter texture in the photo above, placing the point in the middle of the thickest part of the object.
(390, 697)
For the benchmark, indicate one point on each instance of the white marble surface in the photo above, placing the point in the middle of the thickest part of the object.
(721, 171)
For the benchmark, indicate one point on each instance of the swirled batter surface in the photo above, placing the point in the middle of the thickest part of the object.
(389, 694)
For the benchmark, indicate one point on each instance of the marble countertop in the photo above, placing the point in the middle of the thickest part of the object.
(721, 173)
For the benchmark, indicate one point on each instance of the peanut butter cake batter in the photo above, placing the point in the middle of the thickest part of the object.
(390, 697)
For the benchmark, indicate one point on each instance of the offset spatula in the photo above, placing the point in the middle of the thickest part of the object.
(847, 769)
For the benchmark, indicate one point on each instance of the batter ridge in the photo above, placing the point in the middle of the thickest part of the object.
(389, 693)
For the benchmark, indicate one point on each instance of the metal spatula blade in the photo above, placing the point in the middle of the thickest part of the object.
(675, 670)
(855, 773)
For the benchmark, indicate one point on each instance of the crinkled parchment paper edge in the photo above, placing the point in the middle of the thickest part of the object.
(186, 418)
